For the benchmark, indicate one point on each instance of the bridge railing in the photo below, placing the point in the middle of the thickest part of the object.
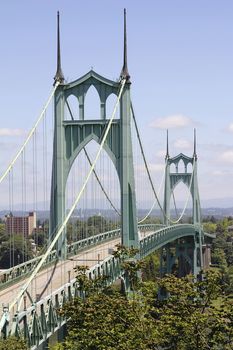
(76, 247)
(38, 322)
(148, 227)
(14, 273)
(17, 272)
(42, 319)
(165, 235)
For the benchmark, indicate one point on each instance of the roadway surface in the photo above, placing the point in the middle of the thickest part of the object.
(49, 279)
(63, 273)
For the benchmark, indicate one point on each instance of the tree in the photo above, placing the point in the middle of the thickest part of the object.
(186, 319)
(40, 238)
(14, 251)
(105, 319)
(209, 227)
(151, 269)
(3, 235)
(13, 343)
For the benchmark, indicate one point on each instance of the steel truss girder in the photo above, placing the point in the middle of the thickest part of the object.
(42, 319)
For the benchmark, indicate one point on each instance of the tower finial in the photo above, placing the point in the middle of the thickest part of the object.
(59, 77)
(167, 151)
(124, 71)
(195, 145)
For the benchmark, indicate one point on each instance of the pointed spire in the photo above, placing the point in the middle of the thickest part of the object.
(167, 151)
(195, 145)
(124, 71)
(59, 77)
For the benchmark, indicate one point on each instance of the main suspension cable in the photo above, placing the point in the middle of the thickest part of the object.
(150, 179)
(187, 200)
(144, 158)
(155, 201)
(18, 298)
(94, 172)
(99, 182)
(30, 134)
(174, 201)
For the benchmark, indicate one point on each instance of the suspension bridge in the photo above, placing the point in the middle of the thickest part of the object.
(95, 167)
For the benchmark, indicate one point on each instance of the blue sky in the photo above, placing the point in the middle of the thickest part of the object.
(180, 58)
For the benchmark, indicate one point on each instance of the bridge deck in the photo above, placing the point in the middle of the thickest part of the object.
(64, 271)
(61, 275)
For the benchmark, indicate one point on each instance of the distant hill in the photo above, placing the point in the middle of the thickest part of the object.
(216, 211)
(217, 203)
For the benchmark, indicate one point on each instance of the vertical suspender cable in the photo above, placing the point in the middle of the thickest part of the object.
(63, 225)
(30, 134)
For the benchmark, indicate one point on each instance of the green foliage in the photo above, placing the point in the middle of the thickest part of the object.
(14, 251)
(209, 227)
(3, 235)
(151, 269)
(40, 238)
(152, 220)
(218, 257)
(185, 318)
(93, 226)
(189, 319)
(13, 343)
(222, 252)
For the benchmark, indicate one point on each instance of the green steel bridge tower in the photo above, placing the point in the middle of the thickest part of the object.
(184, 246)
(185, 254)
(70, 137)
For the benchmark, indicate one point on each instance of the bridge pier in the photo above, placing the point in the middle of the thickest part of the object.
(182, 257)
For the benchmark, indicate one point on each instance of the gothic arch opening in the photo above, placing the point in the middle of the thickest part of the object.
(99, 206)
(173, 168)
(181, 166)
(181, 198)
(71, 108)
(189, 167)
(92, 104)
(110, 104)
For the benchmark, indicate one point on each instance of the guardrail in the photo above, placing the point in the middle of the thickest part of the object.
(147, 244)
(38, 322)
(44, 314)
(17, 272)
(76, 247)
(163, 236)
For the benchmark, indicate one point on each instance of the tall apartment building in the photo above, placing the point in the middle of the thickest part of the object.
(21, 224)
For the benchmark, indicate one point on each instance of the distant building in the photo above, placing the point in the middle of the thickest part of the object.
(24, 225)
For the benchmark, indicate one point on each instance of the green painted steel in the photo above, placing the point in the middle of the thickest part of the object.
(172, 179)
(42, 319)
(164, 236)
(38, 322)
(70, 137)
(13, 274)
(16, 273)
